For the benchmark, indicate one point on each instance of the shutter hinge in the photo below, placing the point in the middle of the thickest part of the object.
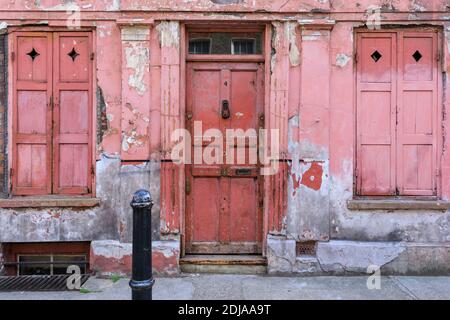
(355, 57)
(188, 187)
(13, 56)
(92, 56)
(11, 174)
(92, 170)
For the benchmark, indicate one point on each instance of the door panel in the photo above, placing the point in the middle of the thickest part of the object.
(376, 114)
(223, 215)
(417, 114)
(32, 114)
(34, 56)
(75, 57)
(205, 221)
(73, 96)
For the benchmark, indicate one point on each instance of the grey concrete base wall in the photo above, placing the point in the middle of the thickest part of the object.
(111, 220)
(338, 257)
(421, 226)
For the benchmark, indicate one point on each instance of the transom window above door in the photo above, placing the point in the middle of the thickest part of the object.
(225, 43)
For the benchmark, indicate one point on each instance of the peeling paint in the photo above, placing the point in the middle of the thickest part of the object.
(417, 6)
(447, 37)
(312, 177)
(137, 57)
(294, 52)
(169, 34)
(311, 37)
(102, 124)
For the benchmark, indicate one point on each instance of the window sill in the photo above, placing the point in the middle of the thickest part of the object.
(397, 204)
(46, 202)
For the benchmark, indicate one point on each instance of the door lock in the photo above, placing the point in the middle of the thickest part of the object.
(225, 109)
(224, 172)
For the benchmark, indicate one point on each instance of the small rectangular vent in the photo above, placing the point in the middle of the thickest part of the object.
(306, 248)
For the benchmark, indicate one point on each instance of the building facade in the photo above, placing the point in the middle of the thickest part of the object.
(92, 91)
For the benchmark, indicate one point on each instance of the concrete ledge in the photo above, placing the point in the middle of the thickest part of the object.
(114, 257)
(41, 202)
(397, 204)
(343, 257)
(355, 256)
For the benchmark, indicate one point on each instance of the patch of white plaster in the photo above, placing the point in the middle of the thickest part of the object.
(447, 37)
(276, 25)
(111, 249)
(114, 6)
(417, 6)
(342, 59)
(169, 34)
(312, 36)
(109, 117)
(137, 58)
(356, 256)
(291, 34)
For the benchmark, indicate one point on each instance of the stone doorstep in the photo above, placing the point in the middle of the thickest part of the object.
(224, 260)
(45, 202)
(397, 204)
(224, 264)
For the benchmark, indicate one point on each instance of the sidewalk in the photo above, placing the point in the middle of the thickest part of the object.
(245, 287)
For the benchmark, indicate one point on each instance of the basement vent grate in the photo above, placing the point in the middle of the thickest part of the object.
(306, 248)
(38, 282)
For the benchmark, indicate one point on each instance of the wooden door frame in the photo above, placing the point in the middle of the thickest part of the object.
(265, 58)
(440, 99)
(238, 247)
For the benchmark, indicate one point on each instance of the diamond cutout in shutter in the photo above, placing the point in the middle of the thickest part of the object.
(33, 54)
(376, 56)
(73, 54)
(417, 56)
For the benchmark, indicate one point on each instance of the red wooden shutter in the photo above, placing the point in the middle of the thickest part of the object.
(417, 113)
(376, 89)
(32, 115)
(72, 113)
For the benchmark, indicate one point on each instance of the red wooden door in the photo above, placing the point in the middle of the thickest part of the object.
(224, 204)
(32, 113)
(417, 113)
(52, 103)
(376, 90)
(73, 98)
(397, 113)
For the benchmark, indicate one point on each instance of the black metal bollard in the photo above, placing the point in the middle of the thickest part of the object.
(142, 276)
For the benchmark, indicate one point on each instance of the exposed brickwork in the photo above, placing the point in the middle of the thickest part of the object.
(3, 130)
